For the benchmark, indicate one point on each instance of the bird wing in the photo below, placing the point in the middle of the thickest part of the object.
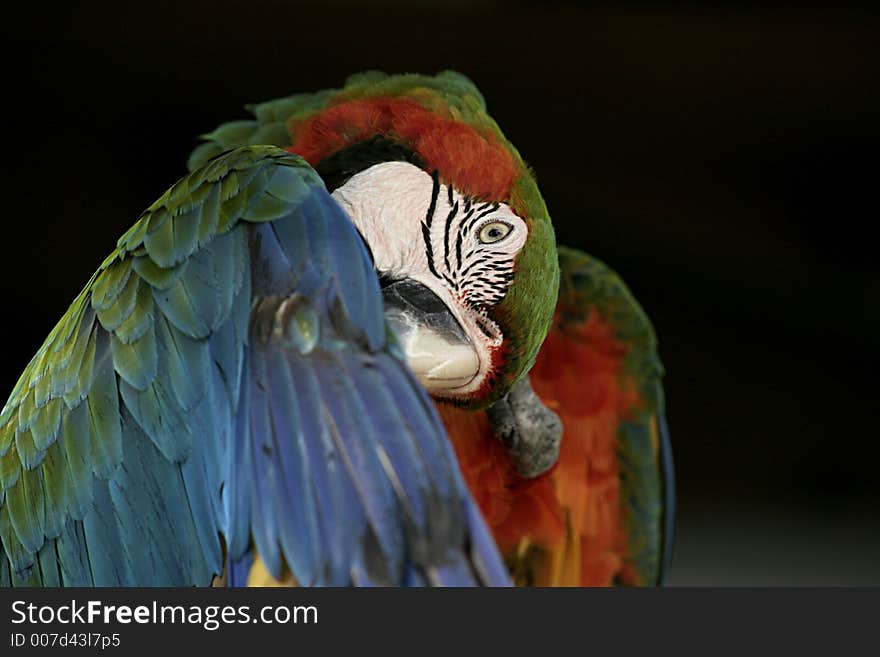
(224, 389)
(604, 513)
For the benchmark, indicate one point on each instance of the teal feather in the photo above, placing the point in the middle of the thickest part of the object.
(47, 572)
(105, 547)
(182, 356)
(157, 411)
(184, 306)
(73, 557)
(159, 530)
(220, 264)
(288, 184)
(201, 472)
(159, 278)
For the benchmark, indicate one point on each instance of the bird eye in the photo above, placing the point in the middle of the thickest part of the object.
(494, 231)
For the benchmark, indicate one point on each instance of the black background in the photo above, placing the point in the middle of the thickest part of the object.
(722, 157)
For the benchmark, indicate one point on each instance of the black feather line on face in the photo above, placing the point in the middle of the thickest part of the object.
(449, 219)
(435, 192)
(476, 262)
(429, 252)
(490, 210)
(426, 224)
(471, 220)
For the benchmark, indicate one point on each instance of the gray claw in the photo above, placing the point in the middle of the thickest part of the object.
(530, 431)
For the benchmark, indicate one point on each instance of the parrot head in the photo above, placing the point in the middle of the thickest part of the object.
(453, 218)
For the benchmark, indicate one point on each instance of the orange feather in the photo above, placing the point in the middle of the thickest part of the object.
(566, 527)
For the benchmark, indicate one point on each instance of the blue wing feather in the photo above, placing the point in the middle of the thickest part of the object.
(240, 383)
(299, 534)
(333, 491)
(264, 488)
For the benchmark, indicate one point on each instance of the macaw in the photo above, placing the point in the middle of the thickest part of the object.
(317, 360)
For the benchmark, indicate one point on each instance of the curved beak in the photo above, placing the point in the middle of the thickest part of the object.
(437, 348)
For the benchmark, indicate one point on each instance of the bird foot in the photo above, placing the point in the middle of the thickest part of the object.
(529, 430)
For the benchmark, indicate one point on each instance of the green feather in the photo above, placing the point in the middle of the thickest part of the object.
(80, 369)
(104, 420)
(160, 243)
(26, 509)
(77, 455)
(136, 362)
(121, 306)
(27, 410)
(140, 319)
(109, 283)
(21, 558)
(56, 489)
(232, 134)
(28, 453)
(230, 212)
(135, 235)
(45, 427)
(210, 217)
(42, 378)
(10, 468)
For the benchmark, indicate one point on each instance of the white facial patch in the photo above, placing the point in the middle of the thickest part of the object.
(461, 248)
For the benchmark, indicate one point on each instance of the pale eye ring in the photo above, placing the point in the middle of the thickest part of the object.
(494, 231)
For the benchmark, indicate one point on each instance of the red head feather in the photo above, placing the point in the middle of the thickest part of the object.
(473, 161)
